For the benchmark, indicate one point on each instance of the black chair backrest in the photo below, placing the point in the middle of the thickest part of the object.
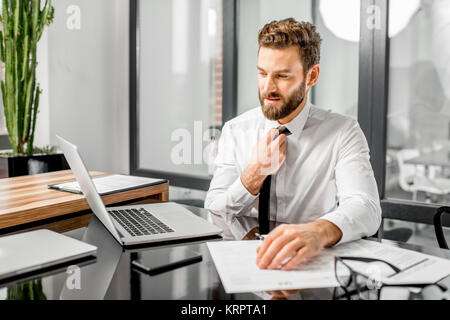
(438, 226)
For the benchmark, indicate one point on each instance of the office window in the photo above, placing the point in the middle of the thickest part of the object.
(418, 119)
(179, 88)
(338, 23)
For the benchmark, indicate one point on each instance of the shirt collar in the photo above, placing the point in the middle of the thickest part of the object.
(297, 124)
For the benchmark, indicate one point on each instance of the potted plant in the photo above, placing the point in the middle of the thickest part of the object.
(23, 22)
(27, 291)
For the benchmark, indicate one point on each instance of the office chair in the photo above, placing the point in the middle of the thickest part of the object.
(437, 220)
(398, 234)
(412, 177)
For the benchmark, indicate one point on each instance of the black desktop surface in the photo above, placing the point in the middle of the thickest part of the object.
(113, 276)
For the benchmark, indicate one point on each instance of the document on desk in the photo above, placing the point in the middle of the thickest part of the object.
(110, 184)
(236, 264)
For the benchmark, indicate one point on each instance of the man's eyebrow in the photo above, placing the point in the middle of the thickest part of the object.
(277, 71)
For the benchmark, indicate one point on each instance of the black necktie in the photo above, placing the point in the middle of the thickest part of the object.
(264, 197)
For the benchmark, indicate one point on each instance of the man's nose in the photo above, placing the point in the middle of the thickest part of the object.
(269, 85)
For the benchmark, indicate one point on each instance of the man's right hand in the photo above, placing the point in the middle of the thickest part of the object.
(267, 157)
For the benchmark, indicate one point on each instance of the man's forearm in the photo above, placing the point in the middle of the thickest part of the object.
(252, 179)
(331, 233)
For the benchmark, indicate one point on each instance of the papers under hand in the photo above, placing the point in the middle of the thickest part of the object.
(236, 264)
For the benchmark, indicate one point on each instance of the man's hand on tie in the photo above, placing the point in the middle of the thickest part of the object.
(290, 245)
(267, 157)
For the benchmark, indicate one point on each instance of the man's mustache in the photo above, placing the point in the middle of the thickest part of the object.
(272, 96)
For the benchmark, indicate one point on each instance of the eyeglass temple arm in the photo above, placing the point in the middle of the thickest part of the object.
(363, 259)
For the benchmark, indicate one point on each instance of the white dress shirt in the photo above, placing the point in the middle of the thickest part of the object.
(326, 175)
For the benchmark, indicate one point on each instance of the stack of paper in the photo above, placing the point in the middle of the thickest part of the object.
(236, 264)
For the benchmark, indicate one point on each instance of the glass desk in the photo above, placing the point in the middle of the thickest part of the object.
(111, 276)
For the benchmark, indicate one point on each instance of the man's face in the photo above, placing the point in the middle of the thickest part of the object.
(282, 85)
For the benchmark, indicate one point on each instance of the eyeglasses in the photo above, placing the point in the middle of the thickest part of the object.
(368, 286)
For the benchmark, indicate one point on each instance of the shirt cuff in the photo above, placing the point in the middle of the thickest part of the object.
(239, 194)
(339, 220)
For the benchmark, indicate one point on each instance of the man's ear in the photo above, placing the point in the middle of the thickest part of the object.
(313, 76)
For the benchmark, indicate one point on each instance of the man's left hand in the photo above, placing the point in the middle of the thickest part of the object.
(299, 242)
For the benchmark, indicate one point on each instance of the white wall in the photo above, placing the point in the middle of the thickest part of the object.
(88, 82)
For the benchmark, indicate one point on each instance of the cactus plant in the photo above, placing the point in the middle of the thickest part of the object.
(27, 291)
(23, 22)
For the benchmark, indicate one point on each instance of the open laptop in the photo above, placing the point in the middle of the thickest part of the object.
(138, 224)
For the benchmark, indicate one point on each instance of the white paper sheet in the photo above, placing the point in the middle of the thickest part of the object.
(236, 264)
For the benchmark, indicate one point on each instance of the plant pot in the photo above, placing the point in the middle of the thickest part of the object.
(15, 166)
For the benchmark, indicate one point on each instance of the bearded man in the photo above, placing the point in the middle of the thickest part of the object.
(289, 169)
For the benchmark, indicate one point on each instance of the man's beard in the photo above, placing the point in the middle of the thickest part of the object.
(273, 112)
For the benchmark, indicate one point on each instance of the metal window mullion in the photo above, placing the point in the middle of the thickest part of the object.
(373, 86)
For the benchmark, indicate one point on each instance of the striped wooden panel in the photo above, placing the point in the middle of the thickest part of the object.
(28, 198)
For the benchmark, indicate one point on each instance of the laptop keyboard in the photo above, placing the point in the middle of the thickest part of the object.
(139, 222)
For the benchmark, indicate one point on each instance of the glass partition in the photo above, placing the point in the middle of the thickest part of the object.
(179, 100)
(418, 119)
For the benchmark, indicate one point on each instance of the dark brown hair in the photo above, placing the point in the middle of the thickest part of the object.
(289, 32)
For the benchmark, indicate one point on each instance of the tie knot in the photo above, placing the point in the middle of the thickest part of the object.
(284, 130)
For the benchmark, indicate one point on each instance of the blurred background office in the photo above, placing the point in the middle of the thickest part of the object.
(130, 78)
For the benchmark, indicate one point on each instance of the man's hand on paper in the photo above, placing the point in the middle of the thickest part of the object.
(282, 294)
(266, 159)
(289, 245)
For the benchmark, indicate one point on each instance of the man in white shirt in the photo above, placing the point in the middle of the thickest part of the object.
(323, 191)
